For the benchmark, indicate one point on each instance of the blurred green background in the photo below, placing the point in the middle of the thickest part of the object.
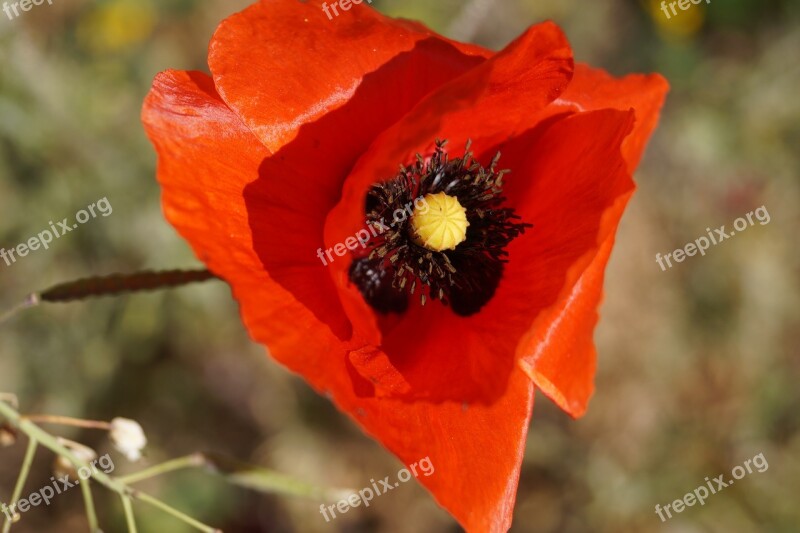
(699, 366)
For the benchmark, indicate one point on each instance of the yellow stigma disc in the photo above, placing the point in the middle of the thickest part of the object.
(441, 223)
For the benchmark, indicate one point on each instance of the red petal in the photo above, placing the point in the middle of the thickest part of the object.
(297, 186)
(440, 355)
(476, 449)
(593, 89)
(206, 158)
(578, 187)
(565, 294)
(560, 353)
(281, 64)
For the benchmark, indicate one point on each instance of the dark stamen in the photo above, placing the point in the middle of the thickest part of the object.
(466, 277)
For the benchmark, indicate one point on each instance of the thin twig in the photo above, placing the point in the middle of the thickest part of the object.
(174, 512)
(241, 474)
(10, 399)
(31, 301)
(68, 421)
(189, 461)
(88, 501)
(234, 471)
(23, 477)
(128, 509)
(52, 443)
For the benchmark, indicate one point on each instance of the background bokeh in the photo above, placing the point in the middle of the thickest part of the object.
(699, 366)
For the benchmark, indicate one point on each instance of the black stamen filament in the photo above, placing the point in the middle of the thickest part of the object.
(465, 278)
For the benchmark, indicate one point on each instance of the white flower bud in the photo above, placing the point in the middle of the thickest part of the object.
(128, 438)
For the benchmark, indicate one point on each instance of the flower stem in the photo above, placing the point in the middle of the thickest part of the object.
(128, 508)
(38, 435)
(188, 461)
(52, 443)
(234, 471)
(174, 512)
(240, 474)
(88, 501)
(23, 477)
(31, 301)
(10, 399)
(68, 421)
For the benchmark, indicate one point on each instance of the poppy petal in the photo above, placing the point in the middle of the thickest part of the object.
(592, 89)
(282, 63)
(476, 450)
(438, 354)
(555, 274)
(299, 184)
(561, 356)
(206, 157)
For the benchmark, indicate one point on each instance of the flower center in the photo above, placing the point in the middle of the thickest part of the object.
(441, 224)
(452, 248)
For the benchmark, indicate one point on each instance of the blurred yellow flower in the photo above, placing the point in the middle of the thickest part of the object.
(116, 25)
(682, 25)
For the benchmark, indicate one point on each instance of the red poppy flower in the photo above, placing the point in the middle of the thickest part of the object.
(273, 164)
